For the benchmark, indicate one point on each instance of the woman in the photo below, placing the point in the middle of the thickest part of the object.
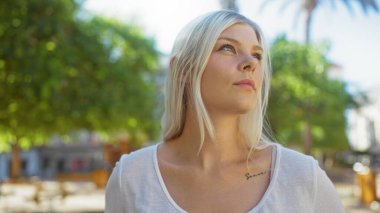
(215, 156)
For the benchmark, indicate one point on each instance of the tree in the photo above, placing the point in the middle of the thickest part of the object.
(309, 7)
(62, 69)
(302, 96)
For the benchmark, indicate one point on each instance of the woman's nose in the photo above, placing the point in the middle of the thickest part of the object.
(248, 64)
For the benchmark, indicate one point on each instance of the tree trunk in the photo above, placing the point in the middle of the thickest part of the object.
(229, 5)
(307, 139)
(308, 27)
(15, 161)
(308, 7)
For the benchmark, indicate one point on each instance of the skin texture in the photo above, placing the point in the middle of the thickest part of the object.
(214, 180)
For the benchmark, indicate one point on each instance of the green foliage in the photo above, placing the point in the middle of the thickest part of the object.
(62, 70)
(302, 93)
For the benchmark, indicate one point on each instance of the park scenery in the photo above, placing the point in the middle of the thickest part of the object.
(80, 86)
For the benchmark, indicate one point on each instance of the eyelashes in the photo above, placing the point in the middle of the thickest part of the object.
(231, 49)
(228, 48)
(259, 56)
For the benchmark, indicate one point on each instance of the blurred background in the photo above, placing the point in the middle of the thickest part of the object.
(81, 83)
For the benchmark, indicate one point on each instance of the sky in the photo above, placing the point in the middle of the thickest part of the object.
(354, 37)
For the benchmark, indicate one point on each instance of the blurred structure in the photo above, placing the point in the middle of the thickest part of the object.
(335, 72)
(364, 136)
(56, 158)
(367, 182)
(85, 159)
(364, 126)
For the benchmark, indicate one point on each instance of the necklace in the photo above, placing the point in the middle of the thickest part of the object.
(248, 175)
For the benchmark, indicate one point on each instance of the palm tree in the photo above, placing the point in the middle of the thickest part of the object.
(309, 7)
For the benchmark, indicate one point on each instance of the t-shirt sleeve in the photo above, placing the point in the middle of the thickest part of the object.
(326, 197)
(114, 195)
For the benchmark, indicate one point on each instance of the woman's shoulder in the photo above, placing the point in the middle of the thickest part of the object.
(297, 164)
(136, 164)
(294, 155)
(139, 155)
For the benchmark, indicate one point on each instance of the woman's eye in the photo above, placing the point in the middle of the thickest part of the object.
(228, 48)
(258, 56)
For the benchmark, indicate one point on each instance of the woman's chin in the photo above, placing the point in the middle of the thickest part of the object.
(244, 105)
(243, 109)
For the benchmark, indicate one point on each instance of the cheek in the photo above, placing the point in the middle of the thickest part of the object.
(259, 77)
(215, 74)
(215, 80)
(210, 83)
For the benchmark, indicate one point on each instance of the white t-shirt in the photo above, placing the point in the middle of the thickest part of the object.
(298, 184)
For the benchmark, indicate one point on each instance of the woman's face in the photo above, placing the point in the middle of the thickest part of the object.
(233, 77)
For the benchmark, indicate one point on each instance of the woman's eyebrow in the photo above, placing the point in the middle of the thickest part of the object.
(255, 47)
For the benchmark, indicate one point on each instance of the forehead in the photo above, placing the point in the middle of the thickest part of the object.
(242, 33)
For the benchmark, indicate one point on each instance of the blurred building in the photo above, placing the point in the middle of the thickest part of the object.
(335, 72)
(81, 156)
(85, 157)
(364, 126)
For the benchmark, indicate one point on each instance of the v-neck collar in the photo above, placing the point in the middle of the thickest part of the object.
(276, 157)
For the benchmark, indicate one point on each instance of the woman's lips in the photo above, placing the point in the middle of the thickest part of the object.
(246, 84)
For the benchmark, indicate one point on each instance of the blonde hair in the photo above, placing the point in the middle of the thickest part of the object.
(189, 57)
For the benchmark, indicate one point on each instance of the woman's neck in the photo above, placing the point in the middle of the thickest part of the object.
(227, 147)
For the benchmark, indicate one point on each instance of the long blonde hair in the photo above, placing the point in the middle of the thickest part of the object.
(189, 57)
